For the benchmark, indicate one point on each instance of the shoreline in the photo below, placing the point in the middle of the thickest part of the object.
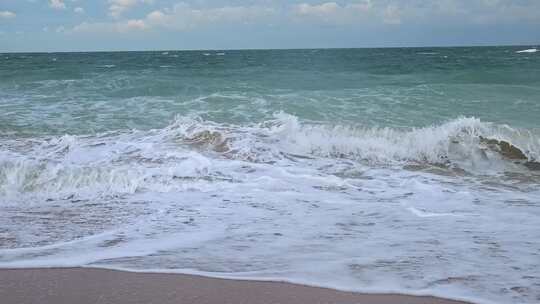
(95, 285)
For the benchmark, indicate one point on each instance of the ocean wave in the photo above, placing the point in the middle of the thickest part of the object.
(181, 156)
(67, 172)
(459, 139)
(455, 142)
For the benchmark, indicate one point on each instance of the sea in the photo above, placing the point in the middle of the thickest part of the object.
(405, 170)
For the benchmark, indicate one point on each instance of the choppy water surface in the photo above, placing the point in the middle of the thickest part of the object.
(367, 169)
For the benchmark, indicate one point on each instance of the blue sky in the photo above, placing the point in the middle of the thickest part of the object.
(84, 25)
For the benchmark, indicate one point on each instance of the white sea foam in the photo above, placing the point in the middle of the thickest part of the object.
(284, 199)
(456, 141)
(423, 213)
(132, 161)
(528, 51)
(214, 54)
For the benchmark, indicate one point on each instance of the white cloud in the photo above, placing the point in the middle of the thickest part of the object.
(7, 15)
(184, 17)
(464, 12)
(88, 27)
(134, 25)
(506, 11)
(108, 27)
(320, 10)
(181, 17)
(392, 15)
(156, 17)
(118, 7)
(79, 10)
(332, 12)
(57, 4)
(419, 12)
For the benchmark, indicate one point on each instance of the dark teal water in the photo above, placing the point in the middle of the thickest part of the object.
(81, 93)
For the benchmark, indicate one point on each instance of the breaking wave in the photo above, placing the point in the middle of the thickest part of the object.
(184, 154)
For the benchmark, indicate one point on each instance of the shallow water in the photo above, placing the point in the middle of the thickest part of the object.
(354, 169)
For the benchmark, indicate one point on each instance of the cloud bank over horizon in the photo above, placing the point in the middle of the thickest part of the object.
(64, 25)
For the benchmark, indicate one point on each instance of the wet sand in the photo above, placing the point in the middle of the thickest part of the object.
(97, 286)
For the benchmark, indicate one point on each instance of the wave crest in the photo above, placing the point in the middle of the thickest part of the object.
(457, 140)
(183, 154)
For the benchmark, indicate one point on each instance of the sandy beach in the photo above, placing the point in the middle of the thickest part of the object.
(85, 286)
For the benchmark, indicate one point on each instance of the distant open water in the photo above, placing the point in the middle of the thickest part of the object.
(359, 169)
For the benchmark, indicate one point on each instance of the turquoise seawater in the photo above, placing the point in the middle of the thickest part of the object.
(82, 93)
(412, 170)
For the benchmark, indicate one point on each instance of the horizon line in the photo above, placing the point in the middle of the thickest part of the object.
(270, 49)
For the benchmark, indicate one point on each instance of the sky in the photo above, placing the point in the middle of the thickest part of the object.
(113, 25)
